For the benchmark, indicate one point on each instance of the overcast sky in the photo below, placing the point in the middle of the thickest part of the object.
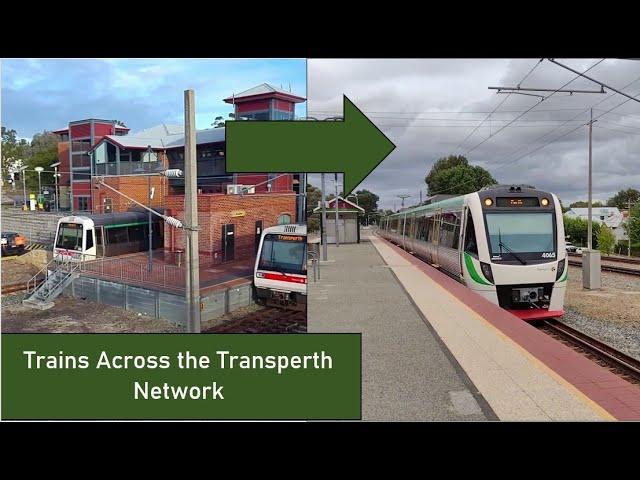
(412, 102)
(48, 94)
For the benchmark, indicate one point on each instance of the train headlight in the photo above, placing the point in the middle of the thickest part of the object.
(259, 275)
(486, 271)
(560, 270)
(488, 202)
(544, 202)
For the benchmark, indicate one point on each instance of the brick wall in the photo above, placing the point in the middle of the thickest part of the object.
(215, 210)
(135, 187)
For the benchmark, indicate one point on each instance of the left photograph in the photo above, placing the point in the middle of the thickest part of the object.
(119, 212)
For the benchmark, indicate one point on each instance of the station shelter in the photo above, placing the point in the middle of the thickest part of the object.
(348, 224)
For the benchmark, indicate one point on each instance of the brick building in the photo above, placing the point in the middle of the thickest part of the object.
(99, 150)
(76, 140)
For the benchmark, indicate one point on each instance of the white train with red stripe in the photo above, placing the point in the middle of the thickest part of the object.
(280, 272)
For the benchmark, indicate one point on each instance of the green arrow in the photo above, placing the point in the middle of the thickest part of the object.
(354, 146)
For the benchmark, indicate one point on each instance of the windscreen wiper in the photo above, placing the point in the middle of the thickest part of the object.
(501, 244)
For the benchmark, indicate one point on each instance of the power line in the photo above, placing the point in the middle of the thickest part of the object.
(532, 107)
(572, 119)
(545, 144)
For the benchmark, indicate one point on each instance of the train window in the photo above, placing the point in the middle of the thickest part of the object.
(117, 235)
(99, 236)
(137, 233)
(69, 236)
(421, 234)
(449, 230)
(89, 240)
(470, 244)
(284, 253)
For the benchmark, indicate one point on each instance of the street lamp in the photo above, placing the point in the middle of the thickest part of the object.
(55, 176)
(39, 170)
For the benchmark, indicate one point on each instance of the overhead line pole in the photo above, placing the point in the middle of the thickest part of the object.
(192, 281)
(323, 226)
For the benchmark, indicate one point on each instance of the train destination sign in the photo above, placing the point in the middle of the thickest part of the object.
(517, 202)
(290, 238)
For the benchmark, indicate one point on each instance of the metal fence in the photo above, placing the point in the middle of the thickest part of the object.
(170, 277)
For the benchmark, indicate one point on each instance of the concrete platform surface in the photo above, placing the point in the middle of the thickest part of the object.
(407, 375)
(523, 373)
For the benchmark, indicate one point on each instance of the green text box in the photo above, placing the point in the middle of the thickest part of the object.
(317, 392)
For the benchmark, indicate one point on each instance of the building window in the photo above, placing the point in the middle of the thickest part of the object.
(284, 219)
(83, 203)
(149, 156)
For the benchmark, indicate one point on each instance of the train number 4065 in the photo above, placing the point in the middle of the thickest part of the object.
(549, 255)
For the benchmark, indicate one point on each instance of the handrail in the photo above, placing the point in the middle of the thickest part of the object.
(35, 277)
(65, 262)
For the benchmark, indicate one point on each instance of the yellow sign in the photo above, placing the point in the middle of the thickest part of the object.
(238, 213)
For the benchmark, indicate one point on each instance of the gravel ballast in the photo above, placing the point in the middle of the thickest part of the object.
(611, 314)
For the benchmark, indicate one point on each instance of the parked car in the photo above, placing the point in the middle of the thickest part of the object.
(571, 247)
(12, 243)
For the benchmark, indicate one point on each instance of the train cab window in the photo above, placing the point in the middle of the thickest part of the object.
(69, 236)
(470, 244)
(89, 240)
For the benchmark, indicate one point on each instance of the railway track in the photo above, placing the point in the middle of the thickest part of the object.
(605, 355)
(608, 258)
(611, 268)
(266, 320)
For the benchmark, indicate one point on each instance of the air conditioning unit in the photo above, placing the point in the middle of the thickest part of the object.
(238, 189)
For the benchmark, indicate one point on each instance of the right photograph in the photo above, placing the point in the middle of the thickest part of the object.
(492, 260)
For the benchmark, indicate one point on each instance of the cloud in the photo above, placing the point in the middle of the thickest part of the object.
(412, 102)
(47, 94)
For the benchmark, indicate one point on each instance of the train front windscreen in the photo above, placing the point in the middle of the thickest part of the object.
(522, 235)
(284, 253)
(69, 236)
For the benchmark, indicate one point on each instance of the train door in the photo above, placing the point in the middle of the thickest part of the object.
(404, 229)
(228, 242)
(435, 236)
(258, 234)
(99, 242)
(89, 244)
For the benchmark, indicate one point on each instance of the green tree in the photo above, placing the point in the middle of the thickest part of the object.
(43, 152)
(453, 175)
(623, 197)
(606, 240)
(577, 231)
(14, 154)
(584, 204)
(632, 226)
(313, 197)
(369, 201)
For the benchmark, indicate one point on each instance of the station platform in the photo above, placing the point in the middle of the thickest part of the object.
(167, 275)
(520, 372)
(406, 372)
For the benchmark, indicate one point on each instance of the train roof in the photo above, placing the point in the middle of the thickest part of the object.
(492, 190)
(444, 204)
(112, 218)
(300, 229)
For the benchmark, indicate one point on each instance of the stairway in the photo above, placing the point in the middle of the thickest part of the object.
(55, 283)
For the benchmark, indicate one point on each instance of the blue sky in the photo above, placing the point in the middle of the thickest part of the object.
(42, 95)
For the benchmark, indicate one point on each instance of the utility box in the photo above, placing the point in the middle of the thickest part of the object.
(591, 272)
